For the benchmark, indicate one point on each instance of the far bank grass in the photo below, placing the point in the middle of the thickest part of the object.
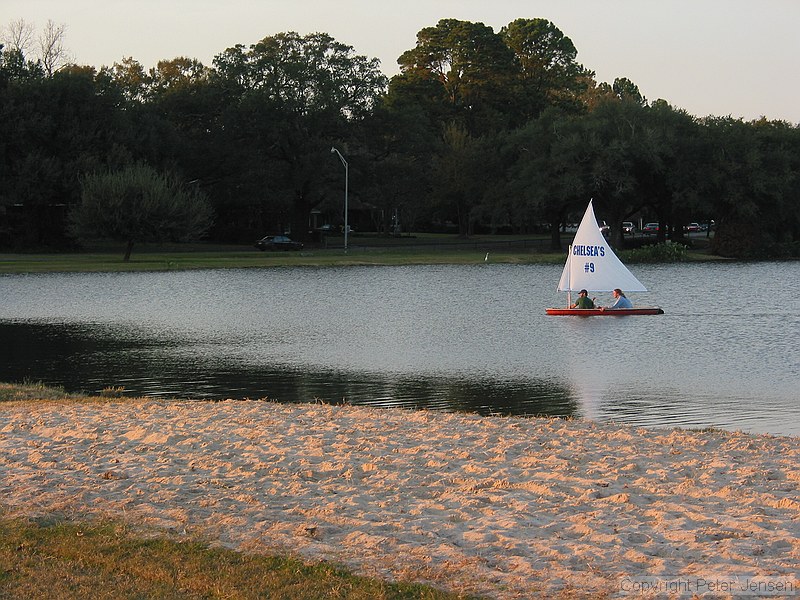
(179, 261)
(181, 258)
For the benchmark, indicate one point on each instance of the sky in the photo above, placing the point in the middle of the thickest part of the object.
(733, 58)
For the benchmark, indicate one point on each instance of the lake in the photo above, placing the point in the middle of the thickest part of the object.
(451, 337)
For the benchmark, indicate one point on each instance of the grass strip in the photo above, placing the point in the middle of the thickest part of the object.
(180, 261)
(183, 261)
(28, 390)
(56, 559)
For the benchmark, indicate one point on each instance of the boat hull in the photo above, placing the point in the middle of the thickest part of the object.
(605, 312)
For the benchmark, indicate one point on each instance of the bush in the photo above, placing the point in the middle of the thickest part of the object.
(747, 241)
(668, 252)
(139, 204)
(737, 240)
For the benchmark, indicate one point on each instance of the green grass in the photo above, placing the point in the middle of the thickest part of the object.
(56, 559)
(424, 249)
(225, 259)
(33, 391)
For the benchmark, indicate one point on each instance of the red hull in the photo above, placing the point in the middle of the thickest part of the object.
(607, 312)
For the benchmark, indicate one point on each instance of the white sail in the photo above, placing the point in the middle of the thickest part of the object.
(592, 265)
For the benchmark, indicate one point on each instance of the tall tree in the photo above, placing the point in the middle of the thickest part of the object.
(53, 130)
(778, 192)
(130, 78)
(623, 145)
(548, 71)
(177, 74)
(549, 174)
(17, 35)
(52, 51)
(752, 181)
(292, 97)
(399, 144)
(456, 169)
(181, 92)
(625, 89)
(461, 71)
(669, 168)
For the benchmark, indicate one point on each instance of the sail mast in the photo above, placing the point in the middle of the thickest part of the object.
(569, 276)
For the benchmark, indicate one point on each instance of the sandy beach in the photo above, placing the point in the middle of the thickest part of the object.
(506, 507)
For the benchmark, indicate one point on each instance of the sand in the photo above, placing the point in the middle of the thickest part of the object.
(506, 507)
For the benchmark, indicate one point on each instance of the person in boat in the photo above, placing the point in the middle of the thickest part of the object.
(620, 301)
(583, 300)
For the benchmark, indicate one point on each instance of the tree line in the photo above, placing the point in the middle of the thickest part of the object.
(481, 131)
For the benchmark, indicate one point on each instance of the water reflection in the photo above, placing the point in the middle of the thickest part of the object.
(441, 337)
(89, 358)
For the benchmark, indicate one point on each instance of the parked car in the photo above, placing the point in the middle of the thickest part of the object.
(650, 228)
(278, 242)
(692, 227)
(628, 227)
(604, 228)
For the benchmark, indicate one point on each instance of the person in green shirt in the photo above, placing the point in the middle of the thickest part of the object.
(583, 300)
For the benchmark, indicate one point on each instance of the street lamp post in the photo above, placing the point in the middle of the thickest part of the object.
(346, 178)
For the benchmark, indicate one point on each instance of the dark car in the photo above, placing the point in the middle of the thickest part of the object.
(650, 228)
(628, 227)
(278, 242)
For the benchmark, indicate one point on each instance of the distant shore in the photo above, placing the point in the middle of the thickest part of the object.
(428, 249)
(507, 507)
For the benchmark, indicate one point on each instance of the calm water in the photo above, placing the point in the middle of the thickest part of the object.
(440, 337)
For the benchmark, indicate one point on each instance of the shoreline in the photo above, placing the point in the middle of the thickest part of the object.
(509, 507)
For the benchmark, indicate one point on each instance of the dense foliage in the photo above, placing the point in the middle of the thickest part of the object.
(138, 204)
(480, 131)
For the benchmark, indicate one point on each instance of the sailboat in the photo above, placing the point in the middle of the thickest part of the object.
(592, 265)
